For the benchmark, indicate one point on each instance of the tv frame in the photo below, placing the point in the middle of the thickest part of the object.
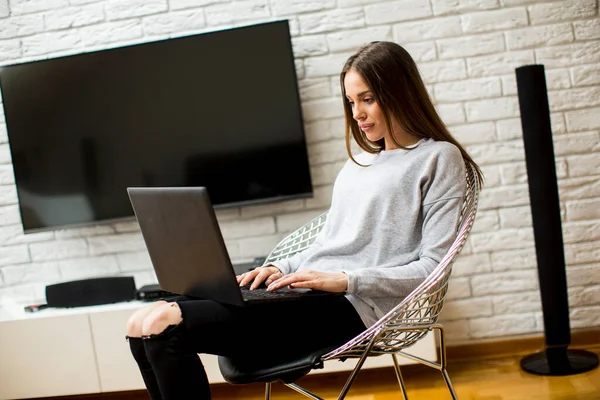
(218, 206)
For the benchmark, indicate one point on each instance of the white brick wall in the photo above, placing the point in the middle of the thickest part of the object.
(466, 50)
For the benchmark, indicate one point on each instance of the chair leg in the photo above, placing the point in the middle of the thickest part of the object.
(303, 391)
(449, 384)
(356, 369)
(443, 369)
(349, 382)
(399, 376)
(268, 391)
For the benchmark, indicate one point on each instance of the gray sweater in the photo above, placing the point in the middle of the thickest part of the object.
(389, 224)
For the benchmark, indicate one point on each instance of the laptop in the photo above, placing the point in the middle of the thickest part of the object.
(187, 250)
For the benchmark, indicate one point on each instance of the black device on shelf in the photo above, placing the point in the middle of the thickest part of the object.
(152, 292)
(218, 109)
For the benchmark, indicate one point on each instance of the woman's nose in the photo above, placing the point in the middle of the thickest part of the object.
(357, 113)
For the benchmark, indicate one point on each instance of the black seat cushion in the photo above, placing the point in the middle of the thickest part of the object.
(285, 368)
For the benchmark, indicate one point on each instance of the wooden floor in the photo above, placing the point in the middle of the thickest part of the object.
(489, 379)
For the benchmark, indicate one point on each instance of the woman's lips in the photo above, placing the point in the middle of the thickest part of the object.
(366, 127)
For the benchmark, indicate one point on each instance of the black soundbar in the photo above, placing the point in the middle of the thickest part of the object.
(91, 292)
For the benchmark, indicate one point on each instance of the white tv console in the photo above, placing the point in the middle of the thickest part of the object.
(60, 352)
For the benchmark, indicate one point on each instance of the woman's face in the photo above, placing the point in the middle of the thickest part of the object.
(365, 109)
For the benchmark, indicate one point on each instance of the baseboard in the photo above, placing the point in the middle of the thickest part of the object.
(516, 345)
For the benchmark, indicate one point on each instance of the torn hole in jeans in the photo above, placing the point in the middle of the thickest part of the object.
(168, 331)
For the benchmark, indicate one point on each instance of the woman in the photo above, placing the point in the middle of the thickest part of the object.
(393, 216)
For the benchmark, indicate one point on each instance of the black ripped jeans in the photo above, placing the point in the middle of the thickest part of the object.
(171, 368)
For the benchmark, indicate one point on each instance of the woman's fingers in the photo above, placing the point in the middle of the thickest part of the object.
(247, 277)
(330, 282)
(273, 277)
(306, 285)
(257, 276)
(288, 280)
(263, 273)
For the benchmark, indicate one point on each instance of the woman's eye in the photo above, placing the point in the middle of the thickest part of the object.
(368, 100)
(351, 103)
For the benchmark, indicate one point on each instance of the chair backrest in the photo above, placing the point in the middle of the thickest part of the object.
(421, 307)
(298, 240)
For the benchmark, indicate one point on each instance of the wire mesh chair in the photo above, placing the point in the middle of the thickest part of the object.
(399, 329)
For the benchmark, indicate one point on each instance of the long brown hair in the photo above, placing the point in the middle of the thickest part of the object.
(393, 77)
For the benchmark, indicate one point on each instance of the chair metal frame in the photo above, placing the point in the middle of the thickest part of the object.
(406, 323)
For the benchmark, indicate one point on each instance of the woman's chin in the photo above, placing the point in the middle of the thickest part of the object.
(373, 137)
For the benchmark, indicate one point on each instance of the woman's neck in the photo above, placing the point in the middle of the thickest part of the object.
(403, 138)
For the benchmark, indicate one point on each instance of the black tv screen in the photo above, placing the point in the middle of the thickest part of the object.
(218, 109)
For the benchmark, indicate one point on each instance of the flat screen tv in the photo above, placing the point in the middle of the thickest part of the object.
(218, 109)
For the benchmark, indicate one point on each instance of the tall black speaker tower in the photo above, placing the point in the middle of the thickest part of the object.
(557, 359)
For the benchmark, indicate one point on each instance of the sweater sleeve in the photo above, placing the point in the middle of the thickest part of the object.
(442, 200)
(439, 230)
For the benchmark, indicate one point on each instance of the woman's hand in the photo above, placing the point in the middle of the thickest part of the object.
(326, 281)
(267, 274)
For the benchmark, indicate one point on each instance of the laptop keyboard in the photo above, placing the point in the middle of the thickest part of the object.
(261, 293)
